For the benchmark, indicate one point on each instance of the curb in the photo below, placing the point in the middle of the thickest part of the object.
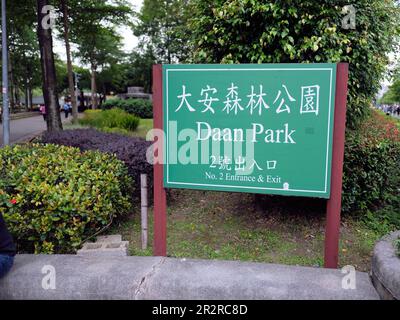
(72, 277)
(385, 271)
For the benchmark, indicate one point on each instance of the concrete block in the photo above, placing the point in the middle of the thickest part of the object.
(113, 238)
(104, 249)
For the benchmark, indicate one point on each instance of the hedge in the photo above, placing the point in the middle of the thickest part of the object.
(371, 164)
(54, 197)
(110, 119)
(138, 107)
(130, 150)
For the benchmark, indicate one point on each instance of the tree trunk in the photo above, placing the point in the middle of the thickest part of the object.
(30, 95)
(17, 97)
(49, 81)
(64, 8)
(93, 85)
(26, 96)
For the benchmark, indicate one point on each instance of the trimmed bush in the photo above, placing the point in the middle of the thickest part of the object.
(130, 150)
(138, 107)
(372, 162)
(54, 197)
(110, 119)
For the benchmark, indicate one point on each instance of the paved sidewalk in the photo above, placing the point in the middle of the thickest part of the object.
(26, 128)
(136, 278)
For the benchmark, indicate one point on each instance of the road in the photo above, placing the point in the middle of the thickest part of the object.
(25, 128)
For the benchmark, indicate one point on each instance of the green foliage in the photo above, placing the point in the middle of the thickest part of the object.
(24, 63)
(392, 96)
(110, 119)
(139, 68)
(92, 28)
(248, 31)
(113, 78)
(103, 48)
(54, 197)
(138, 107)
(372, 167)
(161, 26)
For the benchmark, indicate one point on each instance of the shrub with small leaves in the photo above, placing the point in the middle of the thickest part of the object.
(130, 150)
(54, 197)
(371, 163)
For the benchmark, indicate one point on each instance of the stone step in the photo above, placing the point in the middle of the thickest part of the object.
(110, 238)
(110, 245)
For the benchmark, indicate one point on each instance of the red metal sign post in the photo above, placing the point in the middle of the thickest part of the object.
(160, 200)
(334, 204)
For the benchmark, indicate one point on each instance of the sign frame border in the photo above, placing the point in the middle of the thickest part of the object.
(325, 194)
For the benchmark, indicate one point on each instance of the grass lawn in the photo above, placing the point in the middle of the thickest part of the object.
(144, 126)
(228, 226)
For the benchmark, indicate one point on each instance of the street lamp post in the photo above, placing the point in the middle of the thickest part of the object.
(5, 113)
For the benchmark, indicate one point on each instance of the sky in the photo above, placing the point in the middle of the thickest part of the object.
(129, 42)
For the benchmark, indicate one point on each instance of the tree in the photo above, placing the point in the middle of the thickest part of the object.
(71, 86)
(113, 78)
(392, 96)
(24, 65)
(24, 61)
(162, 28)
(62, 76)
(245, 31)
(139, 69)
(49, 84)
(98, 51)
(93, 25)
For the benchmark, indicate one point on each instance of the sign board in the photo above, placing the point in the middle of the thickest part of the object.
(264, 128)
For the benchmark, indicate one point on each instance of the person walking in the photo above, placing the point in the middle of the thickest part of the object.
(70, 107)
(66, 109)
(42, 110)
(7, 249)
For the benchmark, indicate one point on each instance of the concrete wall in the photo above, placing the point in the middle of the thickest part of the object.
(75, 277)
(386, 267)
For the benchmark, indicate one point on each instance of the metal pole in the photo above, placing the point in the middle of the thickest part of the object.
(144, 204)
(160, 198)
(333, 209)
(5, 113)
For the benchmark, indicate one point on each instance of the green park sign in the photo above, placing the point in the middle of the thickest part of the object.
(264, 128)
